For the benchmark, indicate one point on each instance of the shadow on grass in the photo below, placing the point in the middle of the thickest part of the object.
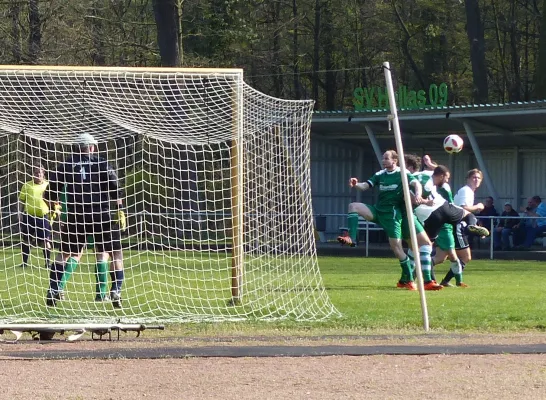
(370, 287)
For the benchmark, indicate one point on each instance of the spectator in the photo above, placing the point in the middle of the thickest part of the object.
(533, 227)
(501, 234)
(489, 210)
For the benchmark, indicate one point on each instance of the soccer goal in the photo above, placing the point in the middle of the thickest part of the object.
(216, 189)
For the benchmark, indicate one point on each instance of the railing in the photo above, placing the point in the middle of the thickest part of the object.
(363, 225)
(140, 220)
(492, 224)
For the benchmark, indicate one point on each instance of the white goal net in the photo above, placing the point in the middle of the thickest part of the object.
(215, 187)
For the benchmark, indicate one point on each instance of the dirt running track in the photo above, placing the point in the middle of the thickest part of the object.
(116, 370)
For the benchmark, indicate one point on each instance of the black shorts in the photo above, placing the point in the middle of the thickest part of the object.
(105, 232)
(461, 240)
(35, 228)
(447, 213)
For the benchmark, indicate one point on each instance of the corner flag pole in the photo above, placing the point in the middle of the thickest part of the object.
(393, 118)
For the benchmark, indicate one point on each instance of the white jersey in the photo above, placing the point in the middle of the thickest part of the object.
(422, 212)
(464, 197)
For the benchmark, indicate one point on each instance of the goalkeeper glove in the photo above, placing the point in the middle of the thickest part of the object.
(121, 220)
(56, 212)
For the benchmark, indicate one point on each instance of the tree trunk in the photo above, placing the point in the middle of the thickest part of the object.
(328, 41)
(540, 75)
(97, 32)
(515, 89)
(35, 32)
(167, 22)
(278, 81)
(361, 46)
(505, 81)
(406, 49)
(316, 54)
(16, 52)
(475, 33)
(180, 4)
(295, 51)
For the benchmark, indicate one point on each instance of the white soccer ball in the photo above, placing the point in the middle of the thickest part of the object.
(453, 144)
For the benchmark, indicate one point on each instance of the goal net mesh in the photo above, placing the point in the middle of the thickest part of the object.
(193, 150)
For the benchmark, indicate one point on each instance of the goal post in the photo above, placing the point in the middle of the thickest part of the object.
(216, 189)
(237, 193)
(393, 118)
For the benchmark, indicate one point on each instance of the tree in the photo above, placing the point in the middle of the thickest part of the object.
(14, 11)
(475, 33)
(168, 31)
(295, 51)
(540, 80)
(96, 28)
(35, 35)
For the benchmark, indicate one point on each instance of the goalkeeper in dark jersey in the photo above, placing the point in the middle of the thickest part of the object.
(91, 185)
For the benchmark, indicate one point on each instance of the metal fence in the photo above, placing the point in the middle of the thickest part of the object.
(340, 221)
(493, 222)
(212, 226)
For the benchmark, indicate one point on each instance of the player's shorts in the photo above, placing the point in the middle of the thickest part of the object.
(445, 240)
(461, 240)
(405, 226)
(390, 221)
(447, 213)
(79, 227)
(35, 228)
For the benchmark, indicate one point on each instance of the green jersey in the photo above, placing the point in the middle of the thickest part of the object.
(425, 179)
(427, 186)
(445, 192)
(422, 211)
(390, 189)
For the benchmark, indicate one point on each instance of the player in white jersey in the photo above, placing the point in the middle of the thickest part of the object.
(465, 199)
(436, 211)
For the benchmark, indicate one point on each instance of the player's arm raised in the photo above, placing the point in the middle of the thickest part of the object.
(353, 182)
(429, 164)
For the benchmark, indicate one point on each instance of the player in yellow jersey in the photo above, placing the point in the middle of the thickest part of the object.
(35, 216)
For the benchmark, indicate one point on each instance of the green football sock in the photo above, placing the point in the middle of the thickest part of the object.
(102, 278)
(412, 262)
(405, 277)
(457, 270)
(426, 262)
(352, 223)
(71, 265)
(406, 270)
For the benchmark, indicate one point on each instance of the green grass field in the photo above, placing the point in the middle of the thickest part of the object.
(504, 296)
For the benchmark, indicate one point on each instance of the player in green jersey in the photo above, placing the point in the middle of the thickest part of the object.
(387, 212)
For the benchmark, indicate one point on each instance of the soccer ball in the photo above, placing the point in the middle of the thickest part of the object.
(453, 144)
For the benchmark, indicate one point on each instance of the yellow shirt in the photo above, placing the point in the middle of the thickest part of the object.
(32, 196)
